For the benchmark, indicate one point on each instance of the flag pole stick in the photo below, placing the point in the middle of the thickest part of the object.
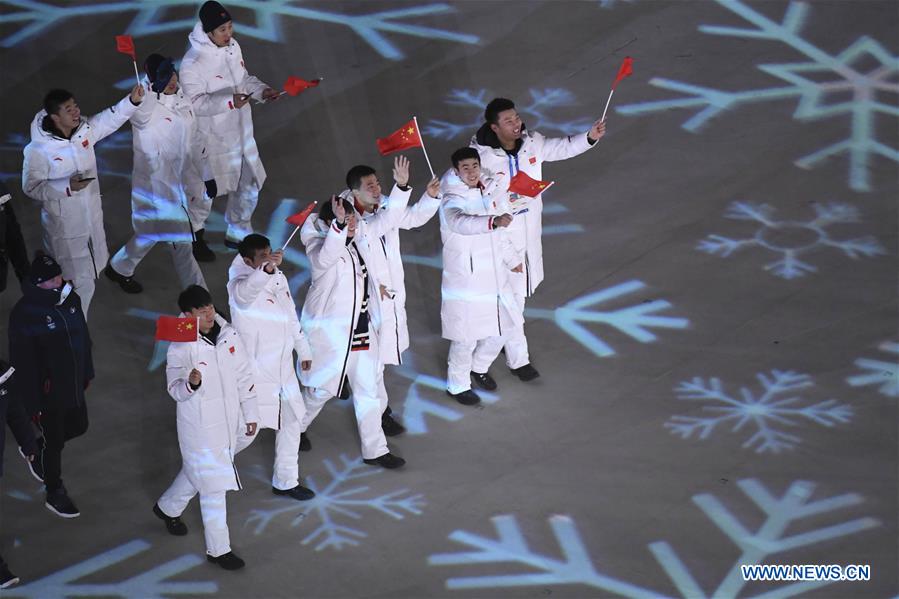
(295, 229)
(195, 353)
(607, 105)
(136, 74)
(428, 160)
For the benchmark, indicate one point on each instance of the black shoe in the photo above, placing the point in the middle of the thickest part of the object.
(305, 443)
(345, 392)
(388, 460)
(202, 252)
(231, 244)
(391, 427)
(7, 578)
(466, 398)
(127, 284)
(484, 381)
(35, 466)
(227, 561)
(174, 525)
(526, 373)
(299, 492)
(59, 503)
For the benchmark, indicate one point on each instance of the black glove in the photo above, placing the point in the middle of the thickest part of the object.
(212, 189)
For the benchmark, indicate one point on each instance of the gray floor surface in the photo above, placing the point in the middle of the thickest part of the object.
(717, 331)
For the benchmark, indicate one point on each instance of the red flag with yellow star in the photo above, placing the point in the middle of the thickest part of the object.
(172, 328)
(526, 186)
(403, 138)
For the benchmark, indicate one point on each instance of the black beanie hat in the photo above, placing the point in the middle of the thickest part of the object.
(44, 268)
(159, 69)
(213, 15)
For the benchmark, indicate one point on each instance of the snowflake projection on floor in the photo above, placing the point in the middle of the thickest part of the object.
(342, 496)
(634, 321)
(816, 83)
(575, 566)
(879, 372)
(427, 396)
(790, 239)
(107, 152)
(152, 583)
(535, 113)
(766, 413)
(270, 17)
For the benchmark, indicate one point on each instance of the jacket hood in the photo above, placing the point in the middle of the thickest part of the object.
(487, 137)
(200, 42)
(41, 135)
(239, 267)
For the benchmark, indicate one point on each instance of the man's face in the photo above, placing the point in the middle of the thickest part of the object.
(260, 258)
(469, 170)
(68, 116)
(54, 283)
(206, 315)
(369, 192)
(172, 86)
(221, 35)
(508, 125)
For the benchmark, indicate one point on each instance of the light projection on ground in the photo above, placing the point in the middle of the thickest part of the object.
(575, 567)
(426, 396)
(268, 23)
(342, 498)
(879, 372)
(767, 414)
(635, 321)
(790, 239)
(152, 583)
(535, 113)
(818, 83)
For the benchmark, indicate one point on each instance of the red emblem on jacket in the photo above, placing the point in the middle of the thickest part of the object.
(533, 160)
(231, 349)
(85, 143)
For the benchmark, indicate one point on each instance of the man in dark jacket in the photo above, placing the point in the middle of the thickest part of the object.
(12, 244)
(50, 348)
(7, 578)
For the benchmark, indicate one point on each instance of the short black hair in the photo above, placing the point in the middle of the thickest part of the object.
(56, 98)
(193, 297)
(251, 244)
(464, 154)
(496, 106)
(355, 174)
(326, 213)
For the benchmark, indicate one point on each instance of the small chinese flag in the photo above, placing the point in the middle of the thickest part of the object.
(300, 217)
(627, 68)
(526, 186)
(403, 138)
(125, 45)
(294, 85)
(172, 328)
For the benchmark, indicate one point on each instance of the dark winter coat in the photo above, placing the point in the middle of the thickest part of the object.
(50, 348)
(12, 244)
(13, 414)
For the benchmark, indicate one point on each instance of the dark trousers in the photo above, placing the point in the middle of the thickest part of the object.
(59, 425)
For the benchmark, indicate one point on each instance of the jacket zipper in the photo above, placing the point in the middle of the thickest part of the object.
(349, 345)
(71, 347)
(220, 341)
(90, 248)
(396, 322)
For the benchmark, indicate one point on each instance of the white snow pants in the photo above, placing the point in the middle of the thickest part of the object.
(212, 505)
(514, 341)
(286, 473)
(238, 210)
(466, 357)
(365, 374)
(129, 256)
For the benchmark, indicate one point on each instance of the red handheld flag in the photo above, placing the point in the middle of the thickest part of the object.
(526, 186)
(299, 218)
(172, 328)
(627, 68)
(403, 138)
(294, 85)
(125, 45)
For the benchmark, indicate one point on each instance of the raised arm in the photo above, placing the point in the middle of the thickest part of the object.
(243, 290)
(110, 120)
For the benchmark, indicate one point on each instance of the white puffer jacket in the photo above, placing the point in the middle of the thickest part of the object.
(526, 229)
(210, 76)
(264, 313)
(477, 261)
(72, 221)
(210, 418)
